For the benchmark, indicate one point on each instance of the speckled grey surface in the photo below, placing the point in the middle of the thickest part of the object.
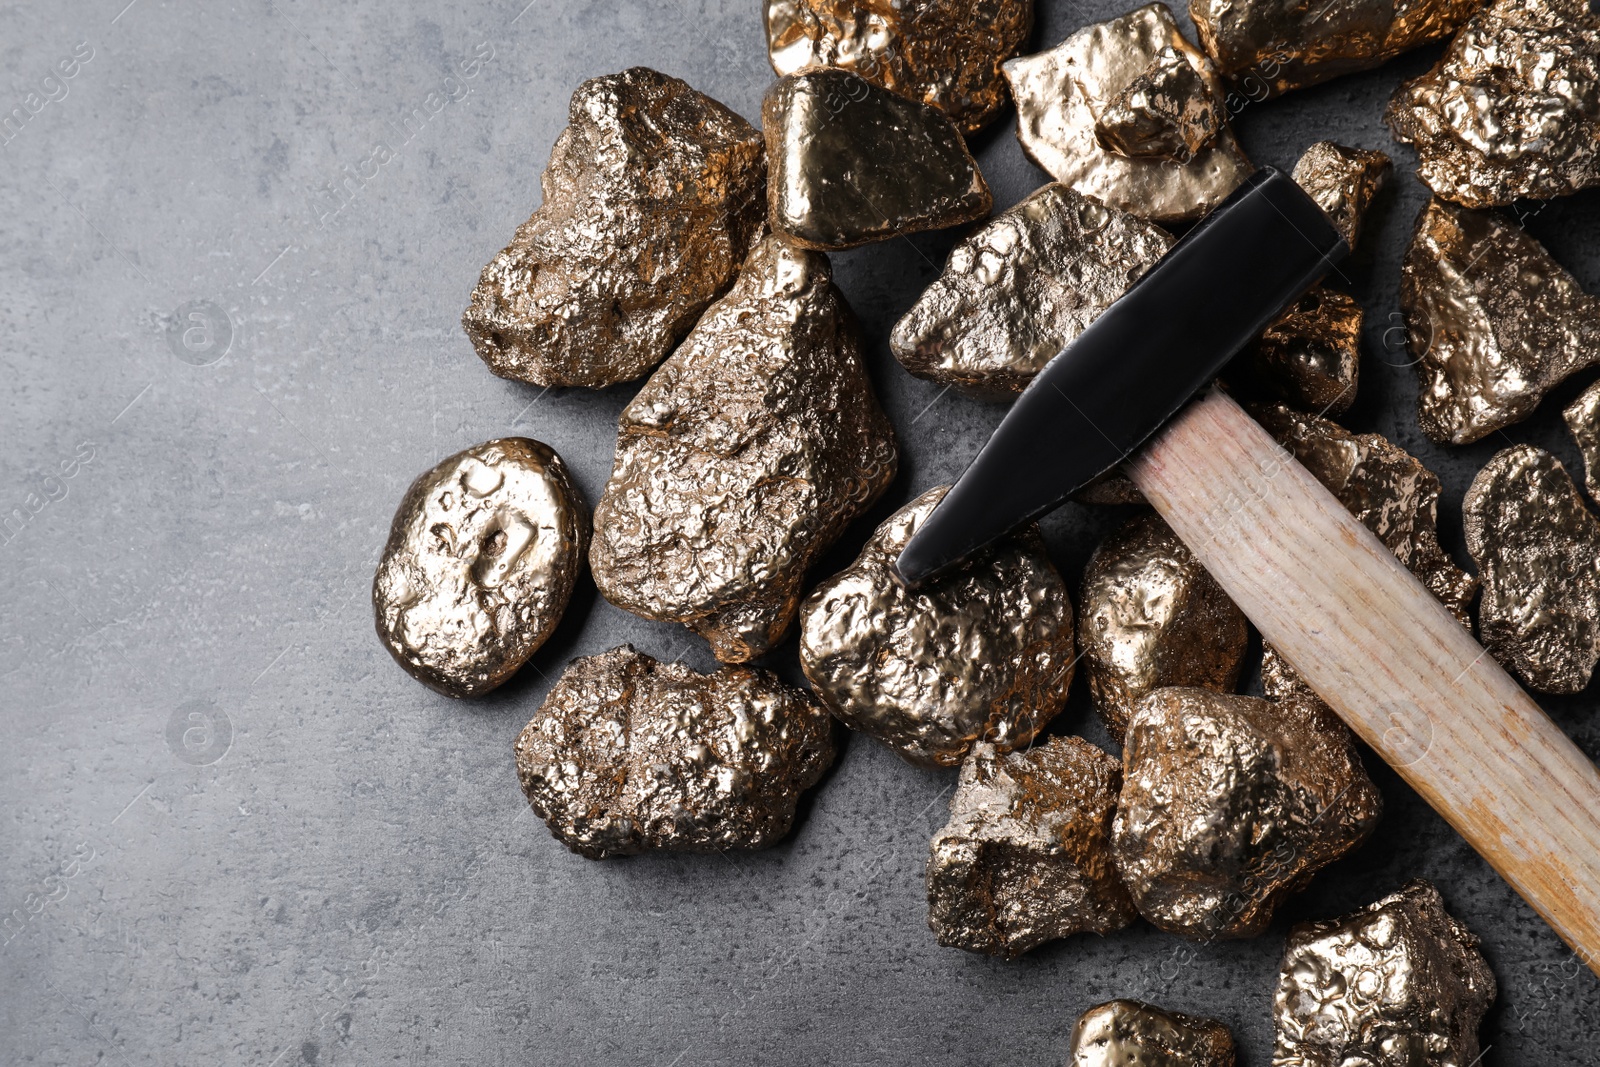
(234, 832)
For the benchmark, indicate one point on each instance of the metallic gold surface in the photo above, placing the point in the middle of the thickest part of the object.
(1537, 548)
(1171, 111)
(631, 755)
(1309, 357)
(1129, 1033)
(1583, 420)
(1153, 617)
(1269, 47)
(482, 557)
(1020, 287)
(1230, 803)
(1026, 856)
(1343, 181)
(1399, 982)
(943, 53)
(1492, 320)
(853, 163)
(1062, 94)
(1512, 110)
(652, 198)
(744, 456)
(982, 653)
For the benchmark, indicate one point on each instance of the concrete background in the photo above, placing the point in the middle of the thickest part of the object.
(235, 832)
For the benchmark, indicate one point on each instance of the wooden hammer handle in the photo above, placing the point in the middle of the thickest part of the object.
(1386, 655)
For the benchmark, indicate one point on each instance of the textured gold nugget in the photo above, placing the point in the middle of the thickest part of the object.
(1344, 182)
(1153, 617)
(944, 53)
(853, 163)
(1130, 1033)
(1398, 982)
(1270, 47)
(1062, 95)
(743, 457)
(1022, 286)
(1171, 111)
(1026, 856)
(481, 560)
(630, 755)
(1537, 548)
(1493, 321)
(1230, 803)
(1513, 109)
(1583, 420)
(982, 653)
(653, 196)
(1310, 356)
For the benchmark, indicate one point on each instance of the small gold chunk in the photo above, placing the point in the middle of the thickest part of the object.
(1583, 419)
(1344, 182)
(1130, 1033)
(1171, 111)
(981, 653)
(1310, 356)
(1063, 93)
(1026, 855)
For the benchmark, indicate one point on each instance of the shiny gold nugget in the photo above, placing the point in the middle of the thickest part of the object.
(1230, 803)
(1171, 111)
(1130, 1033)
(653, 196)
(1397, 982)
(1025, 857)
(1062, 94)
(1022, 286)
(630, 755)
(1493, 321)
(744, 457)
(1583, 420)
(853, 163)
(1512, 111)
(1153, 617)
(1344, 182)
(982, 653)
(1268, 48)
(944, 53)
(1310, 356)
(481, 560)
(1537, 548)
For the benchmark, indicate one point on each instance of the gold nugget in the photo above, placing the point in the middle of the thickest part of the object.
(943, 53)
(1022, 286)
(982, 653)
(1026, 855)
(1130, 1033)
(1344, 182)
(1171, 111)
(1398, 982)
(1309, 357)
(1537, 548)
(1062, 95)
(743, 457)
(652, 198)
(482, 557)
(1153, 617)
(1583, 420)
(1512, 111)
(1493, 322)
(853, 163)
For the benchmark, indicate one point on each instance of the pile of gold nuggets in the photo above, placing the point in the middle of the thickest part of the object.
(676, 241)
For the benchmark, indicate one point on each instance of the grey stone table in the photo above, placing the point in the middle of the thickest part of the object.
(234, 832)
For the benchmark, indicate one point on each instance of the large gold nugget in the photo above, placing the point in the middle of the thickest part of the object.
(1269, 47)
(981, 653)
(1343, 181)
(1062, 94)
(744, 457)
(1130, 1033)
(1398, 982)
(481, 560)
(653, 196)
(1154, 617)
(1512, 111)
(944, 53)
(1310, 356)
(1537, 548)
(1583, 420)
(1016, 291)
(1231, 803)
(1026, 855)
(1493, 321)
(630, 755)
(853, 163)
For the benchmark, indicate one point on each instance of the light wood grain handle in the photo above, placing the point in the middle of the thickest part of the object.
(1380, 649)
